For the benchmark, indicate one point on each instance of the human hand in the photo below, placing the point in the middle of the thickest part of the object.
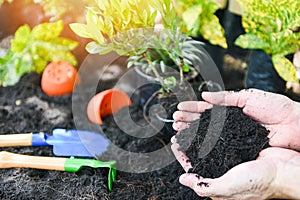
(269, 176)
(279, 114)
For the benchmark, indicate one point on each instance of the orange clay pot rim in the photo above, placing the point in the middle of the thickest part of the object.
(95, 104)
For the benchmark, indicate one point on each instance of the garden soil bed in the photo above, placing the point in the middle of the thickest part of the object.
(25, 108)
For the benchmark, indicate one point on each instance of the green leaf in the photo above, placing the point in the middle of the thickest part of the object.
(270, 26)
(170, 82)
(21, 38)
(92, 27)
(214, 32)
(185, 68)
(80, 30)
(94, 48)
(250, 41)
(31, 51)
(130, 64)
(13, 66)
(47, 31)
(24, 65)
(190, 16)
(102, 4)
(285, 68)
(200, 20)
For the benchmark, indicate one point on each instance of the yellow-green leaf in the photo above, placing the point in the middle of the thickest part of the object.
(21, 38)
(92, 27)
(273, 23)
(103, 4)
(214, 32)
(285, 68)
(32, 50)
(47, 31)
(94, 48)
(200, 20)
(80, 30)
(191, 15)
(251, 42)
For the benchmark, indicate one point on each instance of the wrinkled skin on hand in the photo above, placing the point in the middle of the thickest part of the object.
(274, 174)
(279, 114)
(264, 178)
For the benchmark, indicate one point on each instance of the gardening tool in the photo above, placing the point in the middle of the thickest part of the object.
(64, 142)
(13, 160)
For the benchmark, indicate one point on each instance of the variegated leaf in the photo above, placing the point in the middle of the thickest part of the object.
(285, 68)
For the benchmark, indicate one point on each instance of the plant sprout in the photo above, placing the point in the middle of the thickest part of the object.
(128, 28)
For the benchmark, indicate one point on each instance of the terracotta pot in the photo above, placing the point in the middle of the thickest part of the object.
(106, 103)
(59, 78)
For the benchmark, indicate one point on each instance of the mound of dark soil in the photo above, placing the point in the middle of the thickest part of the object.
(25, 108)
(222, 141)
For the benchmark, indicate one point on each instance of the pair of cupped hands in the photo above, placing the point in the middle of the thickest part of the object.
(276, 171)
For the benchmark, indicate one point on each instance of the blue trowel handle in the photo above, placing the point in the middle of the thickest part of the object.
(23, 139)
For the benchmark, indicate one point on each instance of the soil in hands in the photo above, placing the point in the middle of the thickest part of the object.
(223, 138)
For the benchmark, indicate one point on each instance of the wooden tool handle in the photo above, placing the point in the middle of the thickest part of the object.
(13, 160)
(13, 140)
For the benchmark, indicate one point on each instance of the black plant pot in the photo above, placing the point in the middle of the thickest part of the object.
(261, 73)
(148, 94)
(146, 86)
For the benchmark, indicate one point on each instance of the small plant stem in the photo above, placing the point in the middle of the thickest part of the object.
(179, 64)
(162, 55)
(160, 79)
(181, 75)
(158, 76)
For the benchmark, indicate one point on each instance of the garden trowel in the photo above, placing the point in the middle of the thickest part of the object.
(65, 142)
(13, 160)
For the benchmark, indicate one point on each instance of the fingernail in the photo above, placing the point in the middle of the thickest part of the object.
(182, 178)
(173, 139)
(179, 106)
(175, 127)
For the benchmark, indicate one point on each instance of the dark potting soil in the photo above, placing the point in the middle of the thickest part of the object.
(222, 139)
(25, 108)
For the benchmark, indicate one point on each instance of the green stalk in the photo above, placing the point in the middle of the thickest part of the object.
(158, 76)
(179, 64)
(160, 79)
